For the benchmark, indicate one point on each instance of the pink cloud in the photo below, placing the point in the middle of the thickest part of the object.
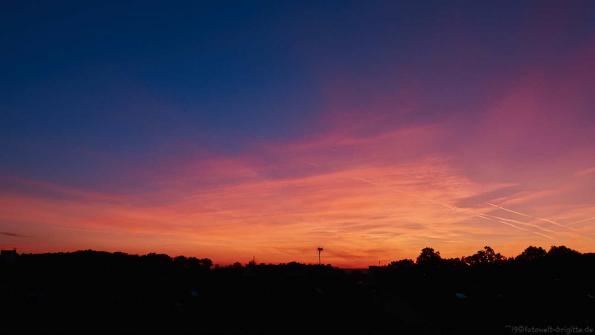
(377, 184)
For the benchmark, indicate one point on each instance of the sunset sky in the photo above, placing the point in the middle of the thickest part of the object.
(265, 129)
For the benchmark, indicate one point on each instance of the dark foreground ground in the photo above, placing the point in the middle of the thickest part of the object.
(98, 292)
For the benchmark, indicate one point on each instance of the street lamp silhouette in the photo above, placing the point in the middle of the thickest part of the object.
(319, 251)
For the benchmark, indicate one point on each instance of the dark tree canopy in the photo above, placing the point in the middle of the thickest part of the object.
(561, 251)
(402, 264)
(531, 253)
(122, 293)
(428, 256)
(485, 256)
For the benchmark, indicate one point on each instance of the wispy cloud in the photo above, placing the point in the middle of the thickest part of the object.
(10, 234)
(585, 172)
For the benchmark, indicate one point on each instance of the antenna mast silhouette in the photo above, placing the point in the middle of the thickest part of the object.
(320, 249)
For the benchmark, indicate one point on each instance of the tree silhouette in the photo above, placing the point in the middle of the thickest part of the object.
(531, 254)
(562, 251)
(157, 292)
(485, 256)
(428, 256)
(402, 264)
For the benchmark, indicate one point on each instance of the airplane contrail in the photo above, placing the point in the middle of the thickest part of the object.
(506, 223)
(525, 224)
(508, 210)
(514, 226)
(544, 235)
(533, 217)
(473, 213)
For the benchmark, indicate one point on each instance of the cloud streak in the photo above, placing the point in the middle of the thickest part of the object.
(533, 217)
(10, 234)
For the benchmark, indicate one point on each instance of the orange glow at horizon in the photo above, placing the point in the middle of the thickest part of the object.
(346, 194)
(371, 186)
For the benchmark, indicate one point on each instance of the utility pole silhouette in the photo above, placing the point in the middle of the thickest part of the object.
(319, 251)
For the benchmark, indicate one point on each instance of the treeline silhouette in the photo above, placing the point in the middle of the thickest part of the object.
(485, 293)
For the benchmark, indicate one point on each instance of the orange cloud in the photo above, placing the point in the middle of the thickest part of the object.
(362, 210)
